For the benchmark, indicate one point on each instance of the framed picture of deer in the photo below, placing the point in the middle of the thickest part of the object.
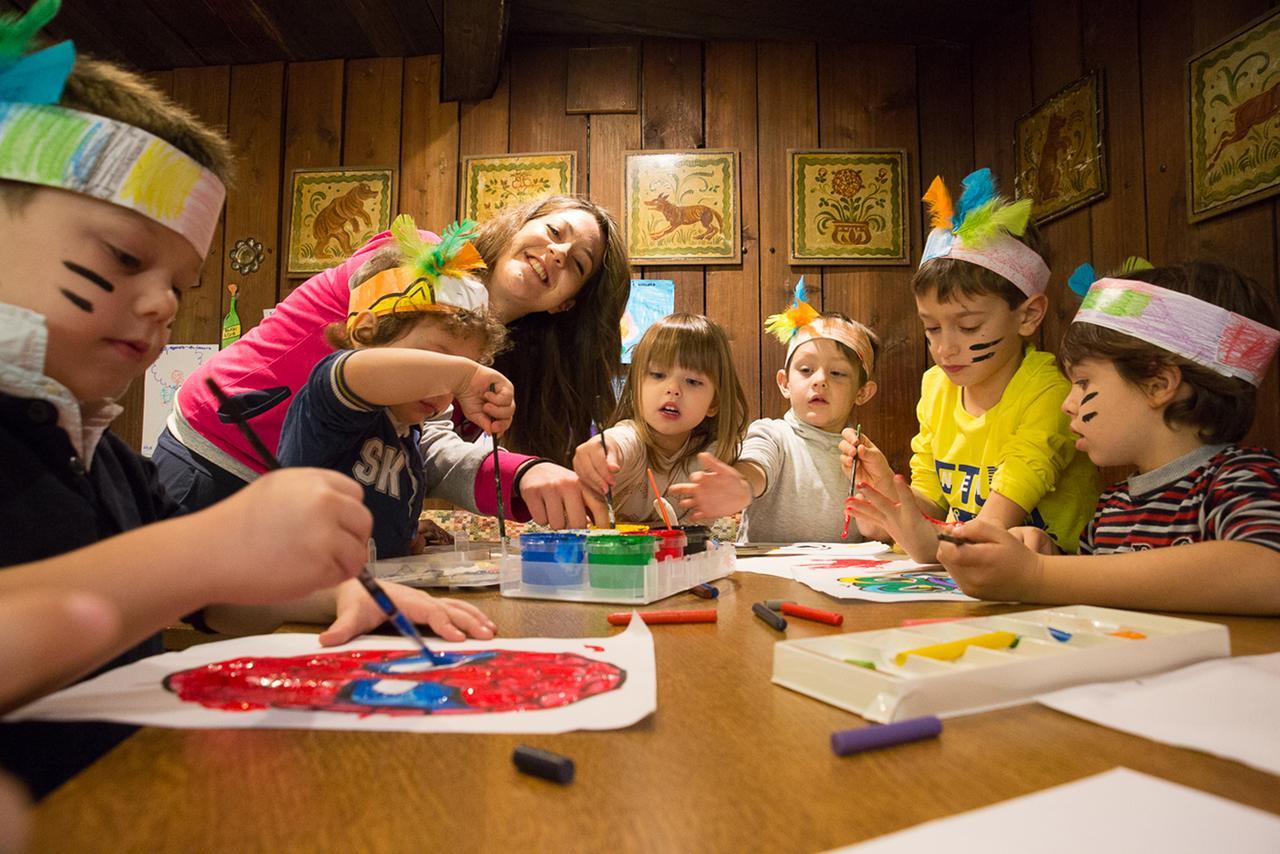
(1059, 151)
(681, 207)
(849, 207)
(493, 182)
(1233, 120)
(334, 211)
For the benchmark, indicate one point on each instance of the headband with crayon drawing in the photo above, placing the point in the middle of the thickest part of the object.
(52, 146)
(1222, 341)
(434, 277)
(977, 228)
(802, 323)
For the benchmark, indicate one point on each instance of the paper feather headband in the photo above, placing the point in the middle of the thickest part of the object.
(802, 323)
(977, 229)
(435, 276)
(1224, 342)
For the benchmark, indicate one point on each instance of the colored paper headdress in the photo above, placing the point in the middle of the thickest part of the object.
(435, 276)
(802, 323)
(977, 229)
(1223, 341)
(42, 143)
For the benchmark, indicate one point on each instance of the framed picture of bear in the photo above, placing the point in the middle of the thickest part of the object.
(1059, 152)
(334, 212)
(682, 207)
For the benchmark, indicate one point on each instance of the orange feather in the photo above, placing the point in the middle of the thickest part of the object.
(941, 210)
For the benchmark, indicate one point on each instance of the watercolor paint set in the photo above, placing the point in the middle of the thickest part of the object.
(463, 564)
(632, 566)
(981, 663)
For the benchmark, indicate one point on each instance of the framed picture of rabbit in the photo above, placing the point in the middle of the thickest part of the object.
(333, 212)
(849, 207)
(1059, 152)
(682, 207)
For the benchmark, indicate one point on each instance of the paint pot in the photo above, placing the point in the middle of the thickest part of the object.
(696, 536)
(671, 542)
(552, 559)
(631, 529)
(618, 561)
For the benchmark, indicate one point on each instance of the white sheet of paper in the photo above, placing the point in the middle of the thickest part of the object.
(161, 382)
(1116, 812)
(1226, 707)
(136, 694)
(885, 581)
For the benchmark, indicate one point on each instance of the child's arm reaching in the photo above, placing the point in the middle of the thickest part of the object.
(1218, 576)
(385, 376)
(719, 489)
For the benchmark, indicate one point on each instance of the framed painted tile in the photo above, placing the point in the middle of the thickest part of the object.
(1059, 151)
(334, 212)
(849, 207)
(1233, 120)
(494, 182)
(682, 207)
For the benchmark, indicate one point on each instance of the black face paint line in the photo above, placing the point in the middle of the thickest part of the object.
(78, 301)
(85, 272)
(986, 345)
(982, 358)
(1088, 397)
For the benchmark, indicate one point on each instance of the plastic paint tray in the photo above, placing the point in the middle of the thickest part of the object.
(654, 580)
(467, 564)
(981, 678)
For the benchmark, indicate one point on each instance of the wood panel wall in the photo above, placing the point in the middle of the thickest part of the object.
(951, 109)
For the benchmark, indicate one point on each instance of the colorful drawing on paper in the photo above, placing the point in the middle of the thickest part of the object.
(650, 300)
(398, 682)
(1234, 120)
(376, 684)
(844, 563)
(909, 583)
(161, 383)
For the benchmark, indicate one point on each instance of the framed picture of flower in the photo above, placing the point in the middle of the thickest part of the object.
(681, 207)
(1233, 120)
(494, 182)
(849, 207)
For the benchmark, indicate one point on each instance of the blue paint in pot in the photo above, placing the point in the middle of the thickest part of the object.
(552, 559)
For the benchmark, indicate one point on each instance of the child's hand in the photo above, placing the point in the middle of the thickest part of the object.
(594, 467)
(285, 535)
(992, 563)
(1036, 539)
(873, 467)
(451, 619)
(556, 497)
(488, 400)
(718, 490)
(429, 534)
(898, 516)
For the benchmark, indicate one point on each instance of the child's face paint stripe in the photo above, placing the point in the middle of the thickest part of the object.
(982, 358)
(85, 272)
(1088, 397)
(78, 301)
(985, 345)
(1088, 416)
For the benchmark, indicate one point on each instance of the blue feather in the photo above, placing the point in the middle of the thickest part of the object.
(1081, 278)
(802, 293)
(979, 188)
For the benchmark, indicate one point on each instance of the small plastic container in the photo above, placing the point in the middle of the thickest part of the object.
(618, 561)
(552, 560)
(671, 542)
(697, 537)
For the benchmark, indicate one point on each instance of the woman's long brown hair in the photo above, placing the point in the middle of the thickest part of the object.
(562, 364)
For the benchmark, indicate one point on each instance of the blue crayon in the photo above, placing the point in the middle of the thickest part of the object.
(706, 591)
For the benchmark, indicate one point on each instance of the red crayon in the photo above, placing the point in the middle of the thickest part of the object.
(791, 609)
(922, 621)
(650, 617)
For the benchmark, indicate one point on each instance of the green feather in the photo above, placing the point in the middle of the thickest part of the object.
(409, 241)
(17, 31)
(453, 239)
(992, 217)
(1133, 264)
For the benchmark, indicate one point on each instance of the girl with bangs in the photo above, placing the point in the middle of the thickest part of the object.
(682, 398)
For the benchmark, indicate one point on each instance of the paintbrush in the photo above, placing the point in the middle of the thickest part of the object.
(497, 483)
(853, 484)
(608, 495)
(662, 505)
(405, 626)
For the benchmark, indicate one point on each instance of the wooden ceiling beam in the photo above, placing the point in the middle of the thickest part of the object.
(475, 36)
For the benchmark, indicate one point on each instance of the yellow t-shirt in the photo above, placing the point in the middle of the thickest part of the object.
(1022, 448)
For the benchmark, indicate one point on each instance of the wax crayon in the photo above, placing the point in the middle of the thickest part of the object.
(849, 741)
(764, 612)
(623, 618)
(791, 609)
(544, 764)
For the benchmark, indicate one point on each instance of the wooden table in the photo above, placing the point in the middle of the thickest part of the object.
(729, 762)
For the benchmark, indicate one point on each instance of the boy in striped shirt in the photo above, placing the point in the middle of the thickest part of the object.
(1165, 365)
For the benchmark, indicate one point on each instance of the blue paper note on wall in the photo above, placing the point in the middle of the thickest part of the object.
(650, 301)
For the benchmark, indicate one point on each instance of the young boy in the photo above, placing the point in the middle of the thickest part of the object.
(993, 442)
(1165, 365)
(418, 336)
(788, 477)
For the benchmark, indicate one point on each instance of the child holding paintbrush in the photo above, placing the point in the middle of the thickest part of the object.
(788, 477)
(682, 397)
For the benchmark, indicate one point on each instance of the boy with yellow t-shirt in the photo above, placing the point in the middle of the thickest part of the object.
(993, 443)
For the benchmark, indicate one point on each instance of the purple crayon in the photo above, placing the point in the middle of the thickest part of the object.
(848, 741)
